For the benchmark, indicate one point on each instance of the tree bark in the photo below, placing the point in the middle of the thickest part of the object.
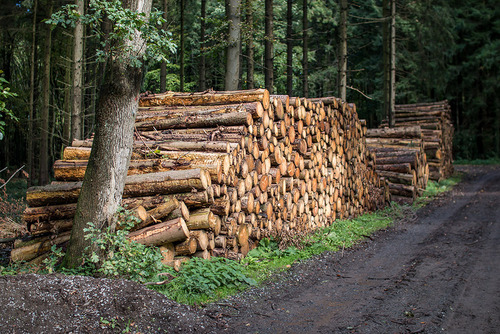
(343, 50)
(389, 43)
(233, 8)
(30, 152)
(269, 37)
(104, 179)
(392, 101)
(202, 75)
(44, 142)
(181, 49)
(305, 50)
(76, 103)
(250, 49)
(163, 66)
(289, 48)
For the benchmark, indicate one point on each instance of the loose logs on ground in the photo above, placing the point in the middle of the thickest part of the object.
(213, 173)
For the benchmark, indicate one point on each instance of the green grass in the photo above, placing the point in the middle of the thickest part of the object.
(204, 281)
(489, 161)
(435, 188)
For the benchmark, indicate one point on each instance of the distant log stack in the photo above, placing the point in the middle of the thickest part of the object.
(401, 160)
(437, 133)
(213, 173)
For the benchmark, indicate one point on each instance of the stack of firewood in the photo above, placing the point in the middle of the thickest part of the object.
(401, 160)
(437, 133)
(212, 173)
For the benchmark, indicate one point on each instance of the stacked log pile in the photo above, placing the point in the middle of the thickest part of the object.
(212, 173)
(437, 133)
(401, 160)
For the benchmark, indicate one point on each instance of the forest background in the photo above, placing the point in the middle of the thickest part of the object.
(445, 50)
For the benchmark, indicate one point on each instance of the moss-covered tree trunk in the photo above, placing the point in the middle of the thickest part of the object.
(104, 179)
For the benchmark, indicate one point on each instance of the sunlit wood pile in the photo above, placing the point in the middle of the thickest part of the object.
(213, 173)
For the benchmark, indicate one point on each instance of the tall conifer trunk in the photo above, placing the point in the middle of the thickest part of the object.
(305, 50)
(76, 109)
(45, 112)
(163, 66)
(269, 36)
(233, 49)
(181, 51)
(202, 70)
(250, 51)
(343, 50)
(289, 48)
(31, 168)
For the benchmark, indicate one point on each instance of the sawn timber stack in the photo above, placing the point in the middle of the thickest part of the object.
(401, 160)
(437, 133)
(232, 168)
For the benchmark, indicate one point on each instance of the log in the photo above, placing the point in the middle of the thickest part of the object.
(38, 247)
(204, 254)
(135, 186)
(206, 98)
(83, 153)
(194, 200)
(52, 227)
(186, 247)
(168, 252)
(201, 238)
(399, 132)
(156, 214)
(159, 112)
(166, 232)
(197, 121)
(202, 219)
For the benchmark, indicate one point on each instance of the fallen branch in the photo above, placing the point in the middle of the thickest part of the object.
(10, 178)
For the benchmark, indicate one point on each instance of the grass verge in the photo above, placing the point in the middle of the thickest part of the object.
(203, 281)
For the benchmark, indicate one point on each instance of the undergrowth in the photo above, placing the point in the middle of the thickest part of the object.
(201, 281)
(488, 161)
(435, 188)
(12, 205)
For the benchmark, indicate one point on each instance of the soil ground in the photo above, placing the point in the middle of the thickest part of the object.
(436, 272)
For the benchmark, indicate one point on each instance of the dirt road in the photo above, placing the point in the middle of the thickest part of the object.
(438, 273)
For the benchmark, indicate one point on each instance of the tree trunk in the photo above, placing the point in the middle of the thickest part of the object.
(385, 60)
(163, 66)
(202, 74)
(31, 168)
(68, 99)
(343, 50)
(76, 110)
(289, 49)
(392, 101)
(104, 179)
(181, 51)
(250, 51)
(305, 50)
(44, 142)
(389, 45)
(269, 37)
(233, 48)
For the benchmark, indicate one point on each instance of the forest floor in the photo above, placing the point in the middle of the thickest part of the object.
(436, 272)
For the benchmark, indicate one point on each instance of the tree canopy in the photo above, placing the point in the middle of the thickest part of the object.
(445, 50)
